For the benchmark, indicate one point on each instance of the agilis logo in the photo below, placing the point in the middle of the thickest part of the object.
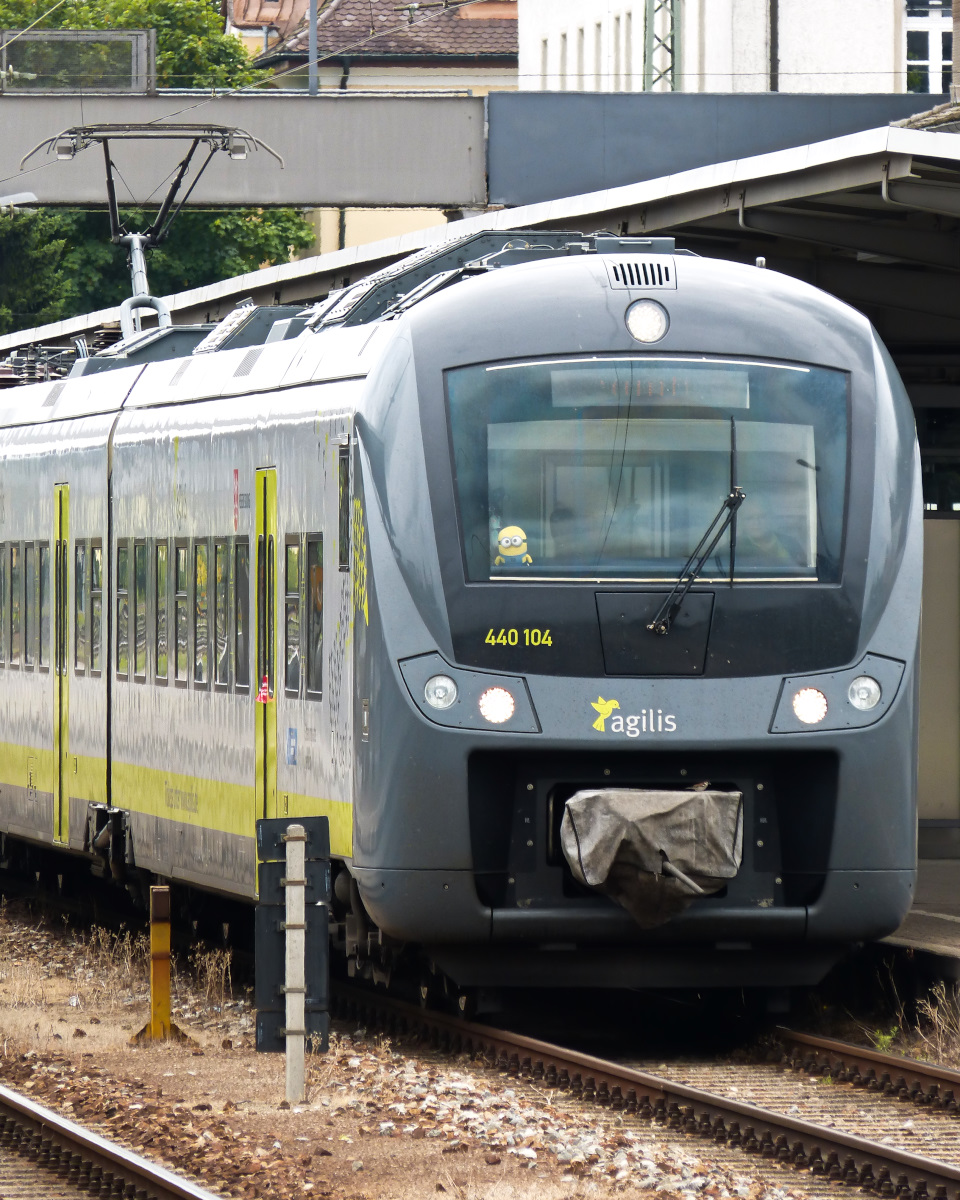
(647, 720)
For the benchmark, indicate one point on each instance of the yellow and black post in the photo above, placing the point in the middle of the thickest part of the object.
(159, 1028)
(159, 963)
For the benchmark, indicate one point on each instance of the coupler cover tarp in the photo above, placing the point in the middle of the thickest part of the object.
(653, 851)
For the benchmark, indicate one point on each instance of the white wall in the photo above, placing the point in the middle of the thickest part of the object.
(825, 45)
(620, 58)
(864, 52)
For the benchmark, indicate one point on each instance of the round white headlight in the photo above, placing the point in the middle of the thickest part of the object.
(440, 691)
(864, 693)
(647, 320)
(810, 706)
(496, 705)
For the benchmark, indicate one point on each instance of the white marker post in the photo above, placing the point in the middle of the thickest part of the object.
(295, 929)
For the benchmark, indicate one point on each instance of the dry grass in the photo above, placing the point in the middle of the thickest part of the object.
(210, 975)
(937, 1035)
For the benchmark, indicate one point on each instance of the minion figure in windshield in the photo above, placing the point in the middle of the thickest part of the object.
(511, 541)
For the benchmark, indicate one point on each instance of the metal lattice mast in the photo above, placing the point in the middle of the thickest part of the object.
(661, 46)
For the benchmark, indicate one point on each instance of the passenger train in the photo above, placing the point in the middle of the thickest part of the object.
(575, 579)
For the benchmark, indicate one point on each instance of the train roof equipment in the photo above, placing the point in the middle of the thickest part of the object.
(383, 296)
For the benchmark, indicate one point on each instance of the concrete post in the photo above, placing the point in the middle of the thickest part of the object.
(295, 927)
(312, 66)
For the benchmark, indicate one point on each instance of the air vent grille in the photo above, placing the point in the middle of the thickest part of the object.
(54, 394)
(179, 373)
(638, 272)
(248, 362)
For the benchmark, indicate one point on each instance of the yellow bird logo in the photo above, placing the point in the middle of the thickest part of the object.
(604, 708)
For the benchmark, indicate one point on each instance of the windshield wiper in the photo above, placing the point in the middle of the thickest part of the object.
(685, 580)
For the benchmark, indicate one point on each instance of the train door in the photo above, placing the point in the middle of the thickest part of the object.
(61, 680)
(265, 622)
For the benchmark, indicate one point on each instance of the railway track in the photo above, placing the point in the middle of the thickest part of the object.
(82, 1160)
(904, 1078)
(827, 1152)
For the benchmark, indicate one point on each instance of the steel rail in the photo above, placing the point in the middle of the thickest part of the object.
(905, 1078)
(826, 1152)
(83, 1158)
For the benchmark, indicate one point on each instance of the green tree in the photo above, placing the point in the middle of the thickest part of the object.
(60, 262)
(31, 274)
(192, 49)
(203, 246)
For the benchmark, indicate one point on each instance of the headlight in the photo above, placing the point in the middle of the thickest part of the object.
(647, 320)
(864, 693)
(810, 705)
(496, 705)
(440, 691)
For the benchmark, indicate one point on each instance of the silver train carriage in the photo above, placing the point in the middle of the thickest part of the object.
(575, 579)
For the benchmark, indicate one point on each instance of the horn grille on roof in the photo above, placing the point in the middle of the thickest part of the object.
(248, 362)
(642, 272)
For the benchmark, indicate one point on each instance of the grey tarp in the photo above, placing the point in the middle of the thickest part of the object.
(653, 851)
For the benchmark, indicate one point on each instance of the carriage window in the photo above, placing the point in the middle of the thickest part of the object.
(43, 657)
(181, 616)
(161, 599)
(201, 626)
(292, 619)
(29, 605)
(314, 597)
(221, 614)
(343, 464)
(242, 613)
(15, 569)
(4, 606)
(123, 610)
(613, 468)
(80, 607)
(96, 607)
(140, 609)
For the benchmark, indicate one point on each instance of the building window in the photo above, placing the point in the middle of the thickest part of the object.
(581, 82)
(598, 57)
(929, 45)
(617, 59)
(628, 52)
(563, 62)
(544, 62)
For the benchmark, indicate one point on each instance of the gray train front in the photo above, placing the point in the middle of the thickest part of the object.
(401, 568)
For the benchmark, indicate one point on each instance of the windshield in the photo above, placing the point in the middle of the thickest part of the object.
(613, 467)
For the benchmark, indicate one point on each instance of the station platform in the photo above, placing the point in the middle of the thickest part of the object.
(933, 923)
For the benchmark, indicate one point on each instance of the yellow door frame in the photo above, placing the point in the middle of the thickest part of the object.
(265, 624)
(61, 662)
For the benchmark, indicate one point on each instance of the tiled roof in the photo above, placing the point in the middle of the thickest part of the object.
(282, 15)
(374, 29)
(945, 118)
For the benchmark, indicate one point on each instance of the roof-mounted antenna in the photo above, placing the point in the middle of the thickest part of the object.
(230, 139)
